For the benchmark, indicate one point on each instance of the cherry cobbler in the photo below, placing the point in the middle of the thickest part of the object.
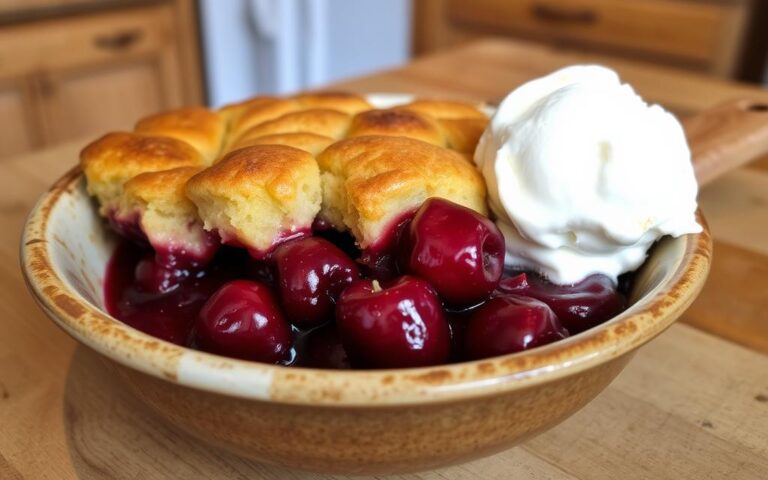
(320, 231)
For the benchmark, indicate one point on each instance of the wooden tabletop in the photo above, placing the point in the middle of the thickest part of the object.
(692, 404)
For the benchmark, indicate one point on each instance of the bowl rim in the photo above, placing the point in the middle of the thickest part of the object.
(305, 386)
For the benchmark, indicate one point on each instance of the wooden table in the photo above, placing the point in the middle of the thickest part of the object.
(690, 405)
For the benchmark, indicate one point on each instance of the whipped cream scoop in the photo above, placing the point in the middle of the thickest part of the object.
(584, 176)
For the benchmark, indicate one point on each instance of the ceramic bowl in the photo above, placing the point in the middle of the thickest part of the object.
(383, 421)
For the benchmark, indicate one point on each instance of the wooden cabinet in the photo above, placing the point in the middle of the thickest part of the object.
(85, 74)
(704, 35)
(107, 97)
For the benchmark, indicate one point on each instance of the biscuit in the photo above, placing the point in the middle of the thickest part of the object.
(320, 121)
(258, 196)
(370, 182)
(397, 122)
(202, 128)
(231, 111)
(309, 142)
(117, 157)
(156, 202)
(445, 109)
(256, 112)
(344, 102)
(462, 134)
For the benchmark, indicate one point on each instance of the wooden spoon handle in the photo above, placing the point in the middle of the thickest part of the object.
(727, 136)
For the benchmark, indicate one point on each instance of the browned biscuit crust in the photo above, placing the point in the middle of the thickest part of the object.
(309, 142)
(202, 128)
(256, 196)
(349, 103)
(117, 157)
(369, 181)
(445, 109)
(397, 122)
(320, 121)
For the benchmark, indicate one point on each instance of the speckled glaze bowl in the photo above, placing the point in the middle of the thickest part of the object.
(383, 421)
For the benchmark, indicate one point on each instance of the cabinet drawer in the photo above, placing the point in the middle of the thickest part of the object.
(77, 41)
(681, 29)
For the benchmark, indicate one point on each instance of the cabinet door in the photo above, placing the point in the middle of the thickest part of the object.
(99, 99)
(17, 130)
(96, 72)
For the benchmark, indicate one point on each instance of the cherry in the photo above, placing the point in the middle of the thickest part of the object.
(321, 348)
(457, 250)
(242, 320)
(399, 326)
(311, 273)
(153, 277)
(579, 306)
(511, 323)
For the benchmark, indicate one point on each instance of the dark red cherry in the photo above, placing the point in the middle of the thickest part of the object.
(457, 250)
(511, 323)
(152, 277)
(311, 273)
(402, 325)
(579, 306)
(242, 320)
(321, 348)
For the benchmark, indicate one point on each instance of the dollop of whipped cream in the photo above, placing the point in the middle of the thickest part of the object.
(584, 176)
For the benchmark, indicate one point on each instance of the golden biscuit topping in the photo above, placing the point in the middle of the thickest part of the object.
(280, 162)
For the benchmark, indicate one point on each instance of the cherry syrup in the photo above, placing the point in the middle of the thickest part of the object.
(165, 301)
(170, 314)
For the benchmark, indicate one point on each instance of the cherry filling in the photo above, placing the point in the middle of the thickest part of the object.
(379, 260)
(311, 274)
(306, 303)
(399, 325)
(177, 255)
(457, 250)
(510, 323)
(166, 313)
(263, 254)
(321, 348)
(579, 307)
(243, 320)
(172, 261)
(127, 226)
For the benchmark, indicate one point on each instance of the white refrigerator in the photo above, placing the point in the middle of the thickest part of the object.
(255, 47)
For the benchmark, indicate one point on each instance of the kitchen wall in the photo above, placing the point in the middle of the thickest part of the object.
(279, 46)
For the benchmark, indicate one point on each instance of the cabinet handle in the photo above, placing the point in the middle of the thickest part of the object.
(551, 13)
(118, 41)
